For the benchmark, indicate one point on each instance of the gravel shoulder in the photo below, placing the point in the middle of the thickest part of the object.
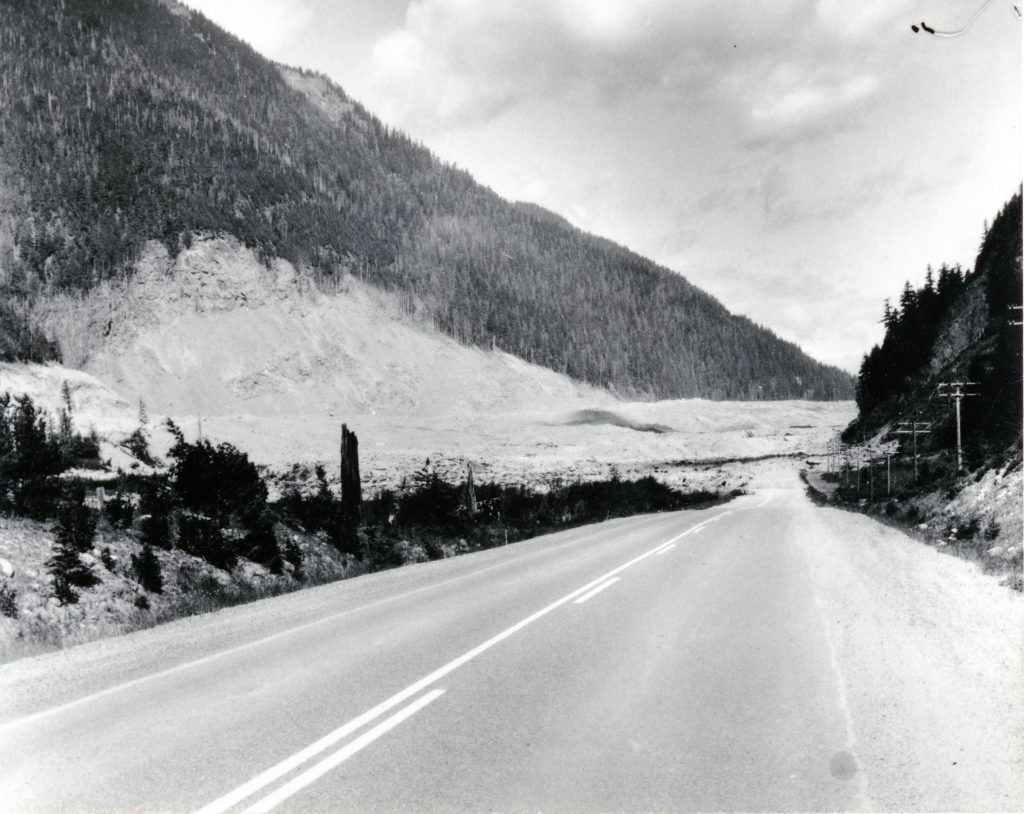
(929, 650)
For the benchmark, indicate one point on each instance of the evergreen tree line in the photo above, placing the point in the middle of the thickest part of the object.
(429, 518)
(121, 122)
(898, 378)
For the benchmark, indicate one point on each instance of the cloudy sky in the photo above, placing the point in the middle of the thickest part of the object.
(798, 159)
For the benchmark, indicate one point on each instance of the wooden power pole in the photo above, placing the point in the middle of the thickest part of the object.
(957, 391)
(914, 428)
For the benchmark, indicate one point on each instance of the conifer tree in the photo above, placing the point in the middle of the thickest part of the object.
(76, 529)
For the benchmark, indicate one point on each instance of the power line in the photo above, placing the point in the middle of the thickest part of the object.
(929, 30)
(914, 428)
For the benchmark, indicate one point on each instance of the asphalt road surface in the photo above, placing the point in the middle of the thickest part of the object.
(762, 655)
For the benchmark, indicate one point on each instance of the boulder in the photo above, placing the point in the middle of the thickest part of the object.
(995, 551)
(6, 568)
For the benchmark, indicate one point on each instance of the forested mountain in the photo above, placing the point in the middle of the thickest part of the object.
(123, 121)
(957, 327)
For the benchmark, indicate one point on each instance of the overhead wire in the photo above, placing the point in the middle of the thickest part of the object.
(939, 33)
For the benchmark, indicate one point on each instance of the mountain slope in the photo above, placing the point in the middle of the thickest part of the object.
(125, 121)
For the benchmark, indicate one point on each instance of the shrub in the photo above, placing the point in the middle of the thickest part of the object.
(155, 510)
(219, 482)
(293, 555)
(147, 569)
(260, 545)
(968, 530)
(119, 511)
(76, 523)
(8, 601)
(201, 537)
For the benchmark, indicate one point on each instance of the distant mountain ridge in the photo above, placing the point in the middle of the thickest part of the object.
(124, 121)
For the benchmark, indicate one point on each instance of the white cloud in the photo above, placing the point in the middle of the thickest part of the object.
(807, 103)
(462, 61)
(791, 140)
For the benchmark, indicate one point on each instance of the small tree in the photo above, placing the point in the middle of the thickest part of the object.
(76, 530)
(138, 445)
(33, 464)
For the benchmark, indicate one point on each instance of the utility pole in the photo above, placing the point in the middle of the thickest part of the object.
(871, 478)
(957, 391)
(914, 428)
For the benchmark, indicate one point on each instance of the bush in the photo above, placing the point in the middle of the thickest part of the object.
(260, 545)
(119, 511)
(76, 523)
(155, 510)
(202, 537)
(147, 569)
(293, 555)
(968, 530)
(8, 601)
(219, 482)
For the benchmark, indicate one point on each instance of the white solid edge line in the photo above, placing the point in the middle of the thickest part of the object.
(606, 584)
(318, 770)
(666, 549)
(265, 778)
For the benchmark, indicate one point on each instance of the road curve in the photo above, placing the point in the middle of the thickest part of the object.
(727, 659)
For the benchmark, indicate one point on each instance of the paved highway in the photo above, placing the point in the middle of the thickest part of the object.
(763, 655)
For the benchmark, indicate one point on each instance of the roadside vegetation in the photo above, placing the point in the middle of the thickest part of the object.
(200, 532)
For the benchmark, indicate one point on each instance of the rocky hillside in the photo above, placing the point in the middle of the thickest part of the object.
(124, 122)
(958, 327)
